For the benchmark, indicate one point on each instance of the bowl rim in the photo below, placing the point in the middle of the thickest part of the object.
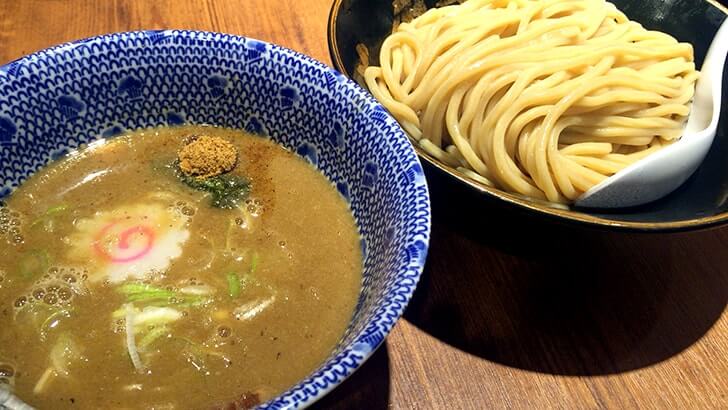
(337, 367)
(542, 208)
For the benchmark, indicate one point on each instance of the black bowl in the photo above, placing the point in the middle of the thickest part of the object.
(700, 202)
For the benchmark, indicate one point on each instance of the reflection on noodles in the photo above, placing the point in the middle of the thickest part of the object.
(542, 98)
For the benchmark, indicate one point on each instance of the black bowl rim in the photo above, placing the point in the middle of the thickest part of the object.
(541, 208)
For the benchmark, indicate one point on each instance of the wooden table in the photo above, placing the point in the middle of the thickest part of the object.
(511, 311)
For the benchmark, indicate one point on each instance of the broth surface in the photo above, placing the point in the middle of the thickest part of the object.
(224, 302)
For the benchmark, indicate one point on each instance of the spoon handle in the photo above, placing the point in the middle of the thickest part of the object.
(707, 98)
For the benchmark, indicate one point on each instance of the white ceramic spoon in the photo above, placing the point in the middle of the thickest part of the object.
(664, 171)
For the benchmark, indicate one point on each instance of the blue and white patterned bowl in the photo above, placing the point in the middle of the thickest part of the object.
(55, 100)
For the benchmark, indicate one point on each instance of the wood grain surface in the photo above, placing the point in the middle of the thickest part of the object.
(512, 312)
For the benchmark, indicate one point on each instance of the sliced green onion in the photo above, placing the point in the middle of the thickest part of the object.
(148, 294)
(34, 263)
(253, 308)
(47, 218)
(153, 335)
(141, 292)
(254, 262)
(56, 209)
(153, 315)
(249, 279)
(228, 234)
(130, 342)
(197, 290)
(189, 301)
(119, 313)
(233, 284)
(150, 315)
(142, 288)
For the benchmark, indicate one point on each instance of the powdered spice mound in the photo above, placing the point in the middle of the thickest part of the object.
(207, 156)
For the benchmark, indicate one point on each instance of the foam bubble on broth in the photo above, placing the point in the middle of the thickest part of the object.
(11, 225)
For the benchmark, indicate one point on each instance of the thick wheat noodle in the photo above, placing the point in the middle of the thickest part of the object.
(542, 98)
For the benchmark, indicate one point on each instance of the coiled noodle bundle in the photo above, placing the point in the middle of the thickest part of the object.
(544, 98)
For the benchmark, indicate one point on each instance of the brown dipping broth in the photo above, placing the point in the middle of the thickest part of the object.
(297, 247)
